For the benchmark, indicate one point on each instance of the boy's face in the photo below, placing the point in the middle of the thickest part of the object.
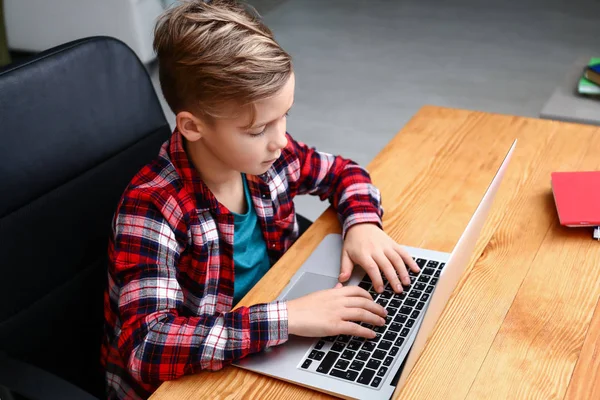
(229, 144)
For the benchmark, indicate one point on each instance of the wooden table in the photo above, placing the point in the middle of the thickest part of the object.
(523, 322)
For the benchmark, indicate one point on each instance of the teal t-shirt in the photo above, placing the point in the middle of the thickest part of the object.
(250, 258)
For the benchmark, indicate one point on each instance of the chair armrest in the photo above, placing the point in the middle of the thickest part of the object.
(35, 383)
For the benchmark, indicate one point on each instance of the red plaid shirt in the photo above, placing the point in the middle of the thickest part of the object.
(170, 279)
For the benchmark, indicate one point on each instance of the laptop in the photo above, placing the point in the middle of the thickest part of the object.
(353, 367)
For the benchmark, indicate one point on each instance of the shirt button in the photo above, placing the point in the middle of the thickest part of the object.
(273, 245)
(264, 196)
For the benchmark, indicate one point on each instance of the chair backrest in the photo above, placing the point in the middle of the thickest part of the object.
(76, 123)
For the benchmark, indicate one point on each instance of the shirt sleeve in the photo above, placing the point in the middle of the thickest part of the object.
(157, 341)
(346, 184)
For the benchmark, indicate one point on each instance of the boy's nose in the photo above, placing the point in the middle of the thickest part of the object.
(279, 142)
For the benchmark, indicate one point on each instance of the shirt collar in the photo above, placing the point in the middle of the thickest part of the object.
(191, 181)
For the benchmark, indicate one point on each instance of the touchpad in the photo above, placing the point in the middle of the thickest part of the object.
(308, 283)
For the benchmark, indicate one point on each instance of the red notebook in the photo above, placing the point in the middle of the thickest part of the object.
(577, 197)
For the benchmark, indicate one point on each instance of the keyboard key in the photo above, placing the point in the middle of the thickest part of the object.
(410, 323)
(376, 381)
(319, 345)
(437, 273)
(348, 375)
(401, 296)
(366, 278)
(343, 338)
(337, 346)
(348, 355)
(342, 364)
(327, 362)
(428, 271)
(423, 278)
(368, 346)
(316, 355)
(388, 320)
(379, 354)
(382, 371)
(405, 310)
(357, 365)
(395, 327)
(399, 341)
(394, 350)
(433, 281)
(387, 294)
(429, 289)
(415, 314)
(365, 285)
(420, 305)
(368, 326)
(441, 266)
(362, 356)
(400, 318)
(379, 329)
(391, 310)
(373, 364)
(420, 262)
(381, 301)
(425, 297)
(306, 363)
(384, 345)
(388, 361)
(420, 286)
(415, 294)
(410, 302)
(366, 376)
(391, 336)
(373, 293)
(432, 263)
(353, 345)
(405, 332)
(329, 338)
(395, 303)
(376, 338)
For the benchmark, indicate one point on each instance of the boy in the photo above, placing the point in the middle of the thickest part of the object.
(201, 224)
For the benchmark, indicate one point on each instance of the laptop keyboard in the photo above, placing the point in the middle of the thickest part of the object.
(366, 361)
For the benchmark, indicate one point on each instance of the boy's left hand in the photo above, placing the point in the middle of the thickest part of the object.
(370, 247)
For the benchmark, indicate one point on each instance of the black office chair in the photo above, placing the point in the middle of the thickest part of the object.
(76, 123)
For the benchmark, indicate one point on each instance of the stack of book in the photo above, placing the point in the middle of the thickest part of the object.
(589, 84)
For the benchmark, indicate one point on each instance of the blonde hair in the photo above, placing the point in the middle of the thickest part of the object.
(212, 54)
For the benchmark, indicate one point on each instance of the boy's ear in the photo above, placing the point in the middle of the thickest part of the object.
(190, 126)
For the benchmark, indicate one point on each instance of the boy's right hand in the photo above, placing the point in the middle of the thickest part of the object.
(331, 312)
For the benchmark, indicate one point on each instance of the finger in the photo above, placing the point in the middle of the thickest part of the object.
(388, 269)
(362, 315)
(372, 269)
(354, 329)
(346, 267)
(408, 260)
(399, 266)
(367, 305)
(356, 291)
(338, 285)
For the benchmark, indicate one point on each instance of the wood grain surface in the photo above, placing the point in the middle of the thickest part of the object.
(523, 322)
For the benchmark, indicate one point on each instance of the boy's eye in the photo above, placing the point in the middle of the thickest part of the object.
(265, 129)
(259, 133)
